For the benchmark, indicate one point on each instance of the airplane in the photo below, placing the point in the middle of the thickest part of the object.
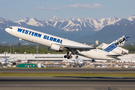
(75, 62)
(4, 60)
(102, 52)
(79, 62)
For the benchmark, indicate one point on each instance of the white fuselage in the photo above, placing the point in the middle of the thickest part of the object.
(43, 38)
(48, 40)
(96, 54)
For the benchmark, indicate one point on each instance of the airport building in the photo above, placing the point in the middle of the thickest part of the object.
(57, 60)
(39, 57)
(57, 57)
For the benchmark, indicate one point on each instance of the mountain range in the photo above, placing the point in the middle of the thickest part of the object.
(80, 29)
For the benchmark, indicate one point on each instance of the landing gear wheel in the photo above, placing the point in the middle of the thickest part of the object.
(69, 56)
(19, 43)
(65, 56)
(93, 60)
(76, 57)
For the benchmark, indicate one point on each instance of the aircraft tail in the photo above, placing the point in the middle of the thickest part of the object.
(121, 41)
(114, 47)
(117, 43)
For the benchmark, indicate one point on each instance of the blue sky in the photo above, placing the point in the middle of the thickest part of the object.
(44, 9)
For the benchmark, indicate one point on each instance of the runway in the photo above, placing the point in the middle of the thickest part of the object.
(71, 70)
(66, 83)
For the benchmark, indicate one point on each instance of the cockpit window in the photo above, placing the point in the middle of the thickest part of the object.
(10, 27)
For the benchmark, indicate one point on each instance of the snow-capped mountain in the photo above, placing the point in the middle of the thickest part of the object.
(73, 28)
(114, 31)
(30, 21)
(131, 18)
(71, 23)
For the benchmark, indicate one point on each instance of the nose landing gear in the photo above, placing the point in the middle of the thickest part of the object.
(19, 41)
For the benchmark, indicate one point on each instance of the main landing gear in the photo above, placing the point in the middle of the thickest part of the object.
(19, 41)
(93, 60)
(68, 56)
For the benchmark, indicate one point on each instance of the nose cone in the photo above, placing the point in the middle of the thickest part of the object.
(7, 30)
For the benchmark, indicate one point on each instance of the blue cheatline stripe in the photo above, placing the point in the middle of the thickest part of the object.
(110, 48)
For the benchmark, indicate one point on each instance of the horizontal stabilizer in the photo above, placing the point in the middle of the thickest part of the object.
(102, 46)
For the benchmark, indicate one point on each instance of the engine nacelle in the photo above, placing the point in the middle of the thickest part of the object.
(56, 47)
(120, 51)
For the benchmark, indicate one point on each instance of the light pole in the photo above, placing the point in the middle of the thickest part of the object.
(10, 49)
(37, 49)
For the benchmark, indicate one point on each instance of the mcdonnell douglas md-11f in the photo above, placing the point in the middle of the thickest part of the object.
(103, 52)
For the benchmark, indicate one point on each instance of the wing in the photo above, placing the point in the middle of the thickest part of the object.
(77, 47)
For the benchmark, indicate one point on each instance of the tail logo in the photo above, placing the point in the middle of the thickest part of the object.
(116, 43)
(110, 48)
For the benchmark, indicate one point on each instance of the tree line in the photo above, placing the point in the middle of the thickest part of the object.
(41, 49)
(26, 49)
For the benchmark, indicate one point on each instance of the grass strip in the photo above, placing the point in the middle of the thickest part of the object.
(72, 74)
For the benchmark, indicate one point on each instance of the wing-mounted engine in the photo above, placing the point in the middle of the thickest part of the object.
(57, 47)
